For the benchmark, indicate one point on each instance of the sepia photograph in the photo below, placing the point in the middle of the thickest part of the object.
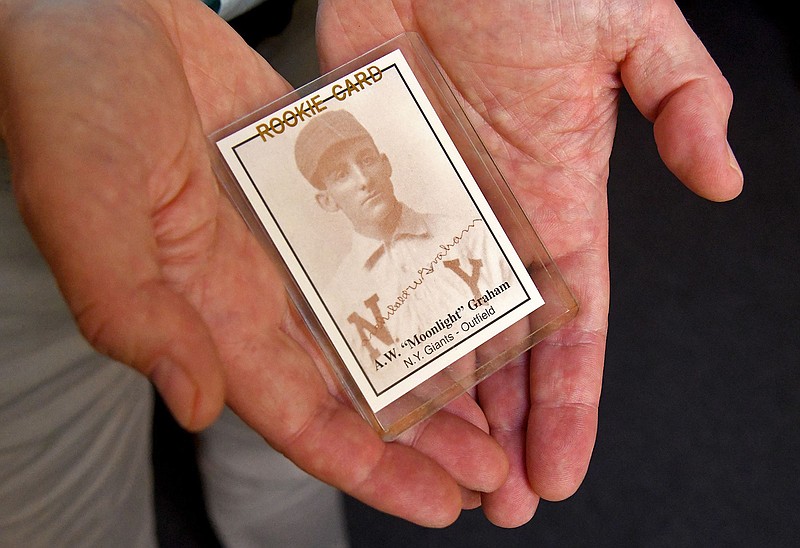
(380, 221)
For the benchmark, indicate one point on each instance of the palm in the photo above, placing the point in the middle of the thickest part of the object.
(540, 82)
(158, 268)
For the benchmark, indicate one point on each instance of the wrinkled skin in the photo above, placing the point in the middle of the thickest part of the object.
(104, 108)
(541, 82)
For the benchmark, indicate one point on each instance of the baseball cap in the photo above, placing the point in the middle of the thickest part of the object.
(320, 134)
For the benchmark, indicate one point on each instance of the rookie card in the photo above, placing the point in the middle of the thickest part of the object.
(382, 227)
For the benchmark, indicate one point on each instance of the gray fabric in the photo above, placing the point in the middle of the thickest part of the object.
(74, 426)
(256, 497)
(228, 9)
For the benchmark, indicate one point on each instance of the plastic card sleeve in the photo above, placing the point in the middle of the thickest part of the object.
(403, 248)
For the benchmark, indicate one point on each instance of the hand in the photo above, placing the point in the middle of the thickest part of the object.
(104, 107)
(540, 81)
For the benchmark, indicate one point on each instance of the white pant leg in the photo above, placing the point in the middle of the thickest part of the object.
(258, 498)
(75, 427)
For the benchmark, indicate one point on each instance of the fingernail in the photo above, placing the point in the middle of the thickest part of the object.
(733, 163)
(176, 389)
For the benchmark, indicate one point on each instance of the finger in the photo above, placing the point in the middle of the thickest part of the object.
(341, 449)
(456, 438)
(291, 407)
(155, 331)
(505, 399)
(103, 257)
(565, 381)
(470, 499)
(674, 82)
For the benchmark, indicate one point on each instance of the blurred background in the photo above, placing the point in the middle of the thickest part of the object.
(699, 435)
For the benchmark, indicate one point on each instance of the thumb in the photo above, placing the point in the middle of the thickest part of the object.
(157, 332)
(103, 254)
(674, 82)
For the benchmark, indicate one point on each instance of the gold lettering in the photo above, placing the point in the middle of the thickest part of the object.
(263, 132)
(289, 119)
(375, 73)
(342, 91)
(336, 89)
(300, 113)
(277, 125)
(351, 88)
(316, 105)
(361, 79)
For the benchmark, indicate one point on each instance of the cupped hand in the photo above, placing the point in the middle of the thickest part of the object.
(104, 108)
(540, 80)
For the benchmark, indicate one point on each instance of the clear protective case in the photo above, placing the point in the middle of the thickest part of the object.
(404, 250)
